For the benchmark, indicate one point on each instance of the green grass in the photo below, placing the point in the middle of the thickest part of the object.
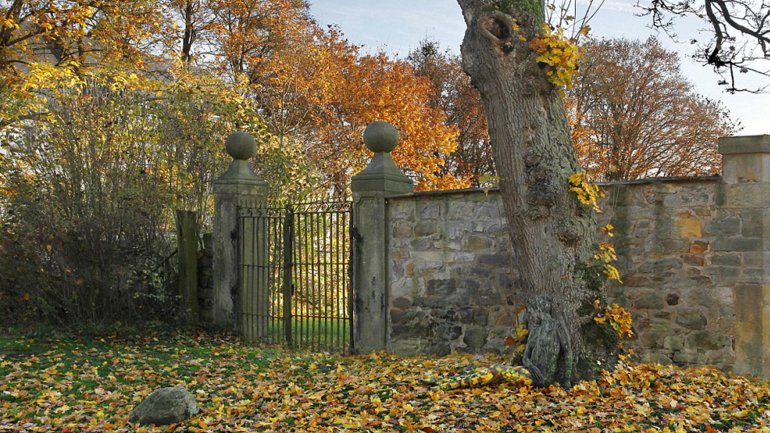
(327, 334)
(81, 367)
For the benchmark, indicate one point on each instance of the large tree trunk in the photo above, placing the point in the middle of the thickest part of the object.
(552, 233)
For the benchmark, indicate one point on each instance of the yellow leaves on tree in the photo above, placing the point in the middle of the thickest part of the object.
(247, 33)
(560, 53)
(607, 257)
(589, 194)
(317, 91)
(618, 318)
(59, 41)
(314, 89)
(586, 191)
(97, 30)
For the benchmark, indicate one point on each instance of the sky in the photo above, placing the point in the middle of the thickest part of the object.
(397, 26)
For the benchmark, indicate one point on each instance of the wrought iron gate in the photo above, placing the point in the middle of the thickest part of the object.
(295, 285)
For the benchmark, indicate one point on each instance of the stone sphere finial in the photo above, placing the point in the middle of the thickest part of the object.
(241, 145)
(381, 136)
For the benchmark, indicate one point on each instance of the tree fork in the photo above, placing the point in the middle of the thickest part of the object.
(552, 233)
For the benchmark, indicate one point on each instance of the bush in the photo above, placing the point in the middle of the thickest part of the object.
(84, 215)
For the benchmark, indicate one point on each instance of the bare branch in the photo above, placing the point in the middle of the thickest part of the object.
(740, 34)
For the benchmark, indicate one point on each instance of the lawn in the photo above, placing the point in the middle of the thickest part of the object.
(313, 333)
(90, 385)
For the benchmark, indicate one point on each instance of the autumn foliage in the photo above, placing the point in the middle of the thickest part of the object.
(634, 115)
(113, 115)
(91, 386)
(453, 94)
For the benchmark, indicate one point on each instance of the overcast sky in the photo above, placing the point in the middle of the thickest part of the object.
(397, 26)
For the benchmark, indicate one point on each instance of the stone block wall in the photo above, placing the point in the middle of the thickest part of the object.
(676, 282)
(451, 287)
(450, 281)
(433, 274)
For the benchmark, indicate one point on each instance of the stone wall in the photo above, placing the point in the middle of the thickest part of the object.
(432, 271)
(676, 284)
(450, 280)
(451, 288)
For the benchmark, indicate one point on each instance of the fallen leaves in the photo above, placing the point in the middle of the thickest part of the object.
(71, 386)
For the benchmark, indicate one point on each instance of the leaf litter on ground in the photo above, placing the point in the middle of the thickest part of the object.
(91, 385)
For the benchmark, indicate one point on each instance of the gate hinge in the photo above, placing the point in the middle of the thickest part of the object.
(356, 235)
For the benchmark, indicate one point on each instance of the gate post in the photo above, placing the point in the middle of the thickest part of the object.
(745, 198)
(379, 180)
(238, 187)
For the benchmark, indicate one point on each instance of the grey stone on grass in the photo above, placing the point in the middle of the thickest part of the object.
(165, 406)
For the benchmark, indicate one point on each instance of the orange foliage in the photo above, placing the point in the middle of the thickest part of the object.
(375, 87)
(453, 94)
(319, 89)
(314, 90)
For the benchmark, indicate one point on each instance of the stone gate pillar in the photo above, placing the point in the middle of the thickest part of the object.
(745, 198)
(379, 180)
(238, 187)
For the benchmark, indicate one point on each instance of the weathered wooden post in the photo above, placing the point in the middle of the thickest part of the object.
(187, 253)
(371, 187)
(238, 188)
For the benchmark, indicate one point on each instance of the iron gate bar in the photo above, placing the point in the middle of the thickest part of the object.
(352, 248)
(322, 277)
(288, 241)
(299, 312)
(278, 311)
(295, 278)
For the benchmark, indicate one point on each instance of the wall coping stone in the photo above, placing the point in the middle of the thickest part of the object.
(744, 144)
(658, 180)
(645, 181)
(418, 194)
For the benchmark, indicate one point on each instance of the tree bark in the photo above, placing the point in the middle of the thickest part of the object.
(552, 233)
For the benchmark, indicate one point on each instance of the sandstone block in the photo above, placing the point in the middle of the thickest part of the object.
(691, 319)
(428, 210)
(699, 247)
(688, 226)
(738, 244)
(426, 228)
(658, 358)
(726, 259)
(407, 346)
(402, 302)
(475, 338)
(704, 340)
(725, 226)
(650, 300)
(477, 243)
(673, 343)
